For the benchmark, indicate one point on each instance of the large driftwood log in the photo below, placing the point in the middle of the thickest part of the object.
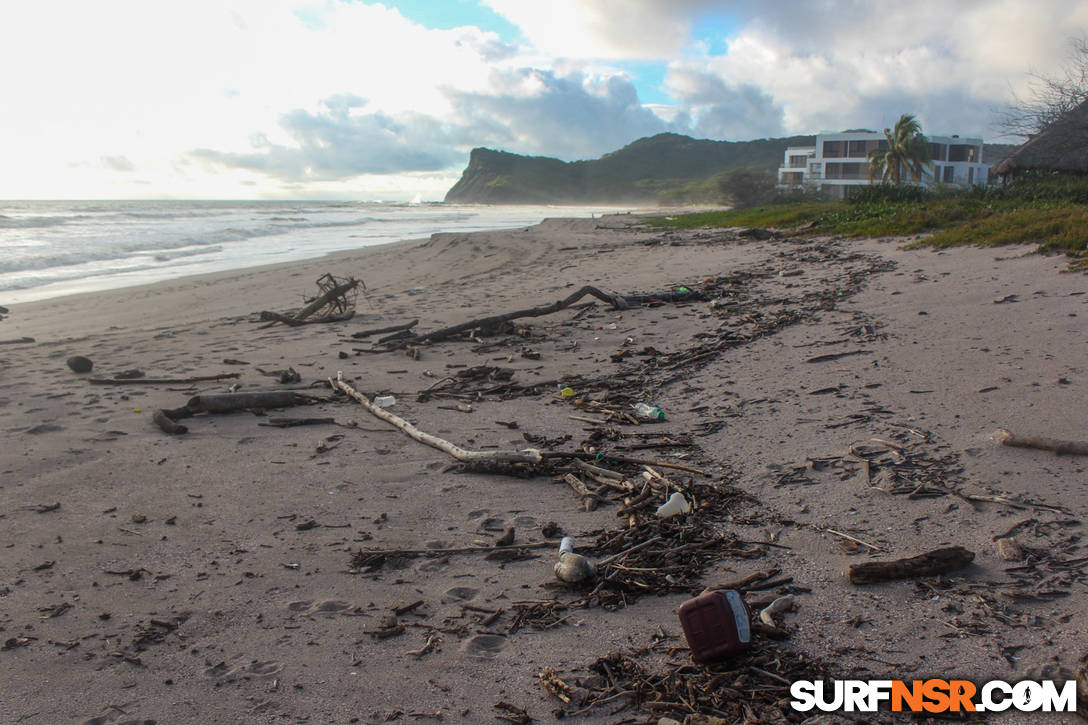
(290, 321)
(619, 302)
(226, 403)
(1071, 448)
(162, 381)
(938, 561)
(461, 454)
(245, 401)
(494, 321)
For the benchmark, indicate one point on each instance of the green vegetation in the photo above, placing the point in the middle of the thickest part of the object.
(1050, 210)
(907, 153)
(667, 168)
(742, 186)
(679, 169)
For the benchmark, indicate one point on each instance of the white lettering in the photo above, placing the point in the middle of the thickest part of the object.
(989, 704)
(1064, 701)
(803, 693)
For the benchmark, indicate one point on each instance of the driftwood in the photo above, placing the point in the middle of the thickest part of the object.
(938, 561)
(625, 459)
(294, 422)
(169, 425)
(245, 401)
(492, 322)
(17, 341)
(162, 381)
(168, 419)
(269, 316)
(835, 356)
(619, 302)
(526, 456)
(385, 330)
(1071, 448)
(360, 557)
(334, 300)
(590, 500)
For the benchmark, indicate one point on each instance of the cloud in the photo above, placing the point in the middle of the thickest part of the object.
(339, 142)
(628, 29)
(535, 111)
(830, 64)
(117, 163)
(528, 111)
(725, 111)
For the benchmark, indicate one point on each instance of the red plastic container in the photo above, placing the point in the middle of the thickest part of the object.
(716, 625)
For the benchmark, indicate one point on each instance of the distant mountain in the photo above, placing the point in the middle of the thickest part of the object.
(639, 172)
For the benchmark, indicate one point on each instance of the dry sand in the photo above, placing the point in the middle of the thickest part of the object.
(175, 584)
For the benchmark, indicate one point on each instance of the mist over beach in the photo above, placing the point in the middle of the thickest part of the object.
(54, 248)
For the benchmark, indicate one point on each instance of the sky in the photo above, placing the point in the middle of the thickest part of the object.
(361, 100)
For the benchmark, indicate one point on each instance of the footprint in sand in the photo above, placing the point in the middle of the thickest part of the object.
(459, 594)
(492, 523)
(324, 606)
(217, 671)
(430, 565)
(255, 668)
(261, 669)
(484, 646)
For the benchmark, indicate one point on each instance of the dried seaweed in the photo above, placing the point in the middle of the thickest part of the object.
(752, 688)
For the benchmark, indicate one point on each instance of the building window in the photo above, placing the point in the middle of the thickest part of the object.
(962, 152)
(793, 178)
(846, 171)
(971, 176)
(862, 149)
(834, 149)
(798, 162)
(949, 171)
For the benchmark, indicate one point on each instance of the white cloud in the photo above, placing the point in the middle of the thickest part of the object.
(111, 98)
(149, 81)
(828, 64)
(604, 28)
(538, 112)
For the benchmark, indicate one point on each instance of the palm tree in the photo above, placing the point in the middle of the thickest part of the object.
(907, 153)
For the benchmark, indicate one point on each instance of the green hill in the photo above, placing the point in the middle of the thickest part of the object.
(638, 173)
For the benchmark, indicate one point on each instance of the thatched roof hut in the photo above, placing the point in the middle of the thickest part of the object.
(1061, 146)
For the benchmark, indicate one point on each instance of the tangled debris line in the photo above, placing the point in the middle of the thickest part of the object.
(652, 555)
(745, 314)
(499, 324)
(908, 462)
(751, 688)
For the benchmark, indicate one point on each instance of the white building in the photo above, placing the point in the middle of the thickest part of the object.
(841, 160)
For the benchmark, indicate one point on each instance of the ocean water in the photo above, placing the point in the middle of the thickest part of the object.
(54, 248)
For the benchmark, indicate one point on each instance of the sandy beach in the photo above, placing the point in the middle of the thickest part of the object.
(840, 396)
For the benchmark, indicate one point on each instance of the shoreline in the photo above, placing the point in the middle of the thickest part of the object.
(138, 243)
(268, 619)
